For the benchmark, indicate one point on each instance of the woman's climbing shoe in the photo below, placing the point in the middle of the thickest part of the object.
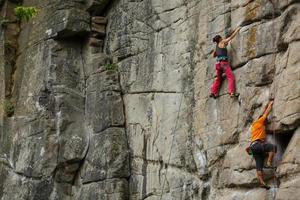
(269, 166)
(213, 96)
(264, 186)
(234, 95)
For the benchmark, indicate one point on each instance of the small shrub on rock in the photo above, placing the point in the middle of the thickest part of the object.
(25, 13)
(4, 22)
(112, 66)
(8, 107)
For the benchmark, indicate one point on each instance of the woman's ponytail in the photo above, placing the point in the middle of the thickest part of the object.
(217, 39)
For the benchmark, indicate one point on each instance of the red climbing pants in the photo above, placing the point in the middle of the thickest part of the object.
(223, 66)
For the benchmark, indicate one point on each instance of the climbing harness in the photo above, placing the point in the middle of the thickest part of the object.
(248, 148)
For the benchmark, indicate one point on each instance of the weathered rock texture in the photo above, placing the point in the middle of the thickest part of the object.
(110, 100)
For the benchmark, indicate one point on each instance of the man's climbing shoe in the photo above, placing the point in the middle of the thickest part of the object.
(213, 96)
(264, 186)
(234, 95)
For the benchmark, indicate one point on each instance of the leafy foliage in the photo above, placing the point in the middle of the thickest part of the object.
(112, 66)
(25, 13)
(8, 107)
(9, 44)
(4, 21)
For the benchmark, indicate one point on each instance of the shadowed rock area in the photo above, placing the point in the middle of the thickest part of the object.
(109, 100)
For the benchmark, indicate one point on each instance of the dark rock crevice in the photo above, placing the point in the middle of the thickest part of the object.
(10, 33)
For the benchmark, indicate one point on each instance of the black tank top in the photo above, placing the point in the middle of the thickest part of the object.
(221, 52)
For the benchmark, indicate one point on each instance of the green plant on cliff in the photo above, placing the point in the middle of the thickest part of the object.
(8, 107)
(10, 45)
(4, 21)
(25, 13)
(112, 66)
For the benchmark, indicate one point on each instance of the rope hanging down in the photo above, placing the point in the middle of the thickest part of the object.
(173, 139)
(178, 113)
(274, 88)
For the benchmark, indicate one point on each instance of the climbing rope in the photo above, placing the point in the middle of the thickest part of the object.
(3, 17)
(223, 4)
(274, 89)
(173, 139)
(226, 31)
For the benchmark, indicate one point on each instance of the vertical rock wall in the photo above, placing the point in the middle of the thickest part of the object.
(111, 100)
(262, 55)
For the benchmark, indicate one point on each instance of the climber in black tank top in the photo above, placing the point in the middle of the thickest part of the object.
(221, 53)
(223, 65)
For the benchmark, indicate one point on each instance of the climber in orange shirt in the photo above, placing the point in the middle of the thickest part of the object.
(259, 146)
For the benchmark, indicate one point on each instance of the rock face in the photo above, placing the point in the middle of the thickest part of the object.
(108, 100)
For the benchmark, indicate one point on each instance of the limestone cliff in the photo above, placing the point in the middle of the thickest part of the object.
(108, 100)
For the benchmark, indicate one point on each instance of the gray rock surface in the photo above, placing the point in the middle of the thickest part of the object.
(69, 23)
(110, 100)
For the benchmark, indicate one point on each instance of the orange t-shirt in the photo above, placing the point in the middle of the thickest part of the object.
(258, 131)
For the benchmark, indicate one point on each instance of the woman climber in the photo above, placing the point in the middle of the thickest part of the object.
(223, 65)
(259, 147)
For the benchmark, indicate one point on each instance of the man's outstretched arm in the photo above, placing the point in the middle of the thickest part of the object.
(268, 108)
